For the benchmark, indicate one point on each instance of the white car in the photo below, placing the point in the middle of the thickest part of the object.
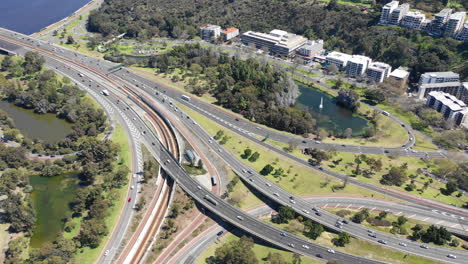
(451, 256)
(292, 201)
(240, 217)
(106, 253)
(132, 187)
(402, 244)
(244, 171)
(305, 246)
(276, 194)
(331, 251)
(305, 211)
(268, 184)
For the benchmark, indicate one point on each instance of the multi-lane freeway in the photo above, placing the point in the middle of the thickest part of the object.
(213, 203)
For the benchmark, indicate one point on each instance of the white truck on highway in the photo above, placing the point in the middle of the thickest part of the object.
(105, 92)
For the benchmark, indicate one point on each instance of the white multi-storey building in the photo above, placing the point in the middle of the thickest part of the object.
(439, 77)
(278, 42)
(378, 71)
(440, 20)
(209, 32)
(463, 35)
(357, 65)
(413, 20)
(338, 58)
(454, 24)
(387, 11)
(449, 106)
(229, 33)
(398, 14)
(311, 48)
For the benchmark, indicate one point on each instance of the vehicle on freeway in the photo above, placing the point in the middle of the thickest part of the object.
(292, 201)
(213, 180)
(319, 256)
(211, 200)
(240, 217)
(372, 235)
(305, 211)
(315, 209)
(185, 97)
(129, 199)
(276, 194)
(283, 234)
(244, 171)
(424, 246)
(331, 251)
(451, 256)
(402, 244)
(268, 184)
(199, 187)
(106, 253)
(318, 214)
(305, 246)
(251, 179)
(105, 92)
(220, 233)
(385, 113)
(132, 187)
(291, 245)
(382, 242)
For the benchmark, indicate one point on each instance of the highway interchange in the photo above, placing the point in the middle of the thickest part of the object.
(270, 190)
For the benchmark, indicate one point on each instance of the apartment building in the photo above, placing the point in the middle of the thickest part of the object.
(400, 76)
(440, 20)
(229, 33)
(378, 71)
(398, 14)
(455, 24)
(439, 77)
(209, 32)
(277, 42)
(463, 92)
(387, 11)
(338, 58)
(413, 20)
(357, 65)
(446, 87)
(311, 48)
(463, 35)
(449, 106)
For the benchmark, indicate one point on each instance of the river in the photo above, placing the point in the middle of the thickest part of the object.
(331, 117)
(46, 127)
(29, 16)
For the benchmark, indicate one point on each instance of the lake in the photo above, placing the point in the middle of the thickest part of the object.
(29, 16)
(331, 117)
(46, 127)
(51, 197)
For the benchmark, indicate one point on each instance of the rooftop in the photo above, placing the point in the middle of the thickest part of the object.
(210, 27)
(458, 15)
(359, 59)
(415, 14)
(339, 55)
(441, 74)
(399, 73)
(230, 30)
(379, 66)
(444, 12)
(449, 100)
(436, 85)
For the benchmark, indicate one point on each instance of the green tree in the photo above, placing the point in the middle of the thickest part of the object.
(234, 252)
(267, 170)
(70, 39)
(312, 230)
(396, 176)
(254, 157)
(200, 164)
(343, 239)
(247, 153)
(285, 213)
(33, 62)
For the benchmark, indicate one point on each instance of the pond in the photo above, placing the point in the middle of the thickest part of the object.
(51, 197)
(46, 127)
(331, 116)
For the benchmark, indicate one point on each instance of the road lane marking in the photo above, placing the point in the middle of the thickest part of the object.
(399, 213)
(372, 209)
(336, 206)
(325, 206)
(411, 216)
(425, 219)
(439, 222)
(348, 206)
(360, 207)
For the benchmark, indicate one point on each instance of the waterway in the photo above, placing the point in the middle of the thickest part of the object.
(29, 16)
(51, 197)
(331, 117)
(46, 127)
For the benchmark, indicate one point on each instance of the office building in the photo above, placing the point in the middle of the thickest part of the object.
(209, 32)
(454, 24)
(378, 71)
(463, 92)
(311, 48)
(413, 20)
(278, 42)
(439, 77)
(446, 87)
(229, 33)
(400, 76)
(387, 11)
(463, 35)
(449, 106)
(398, 14)
(440, 20)
(357, 65)
(338, 58)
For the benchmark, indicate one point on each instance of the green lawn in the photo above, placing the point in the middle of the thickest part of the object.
(301, 180)
(240, 191)
(347, 165)
(261, 251)
(88, 255)
(392, 218)
(356, 246)
(423, 144)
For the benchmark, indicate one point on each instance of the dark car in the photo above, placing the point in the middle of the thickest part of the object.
(220, 233)
(237, 119)
(319, 256)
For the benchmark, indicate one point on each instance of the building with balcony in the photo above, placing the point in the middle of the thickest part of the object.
(463, 35)
(338, 58)
(209, 32)
(437, 26)
(413, 20)
(357, 65)
(449, 106)
(378, 71)
(455, 24)
(398, 14)
(452, 88)
(387, 11)
(439, 77)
